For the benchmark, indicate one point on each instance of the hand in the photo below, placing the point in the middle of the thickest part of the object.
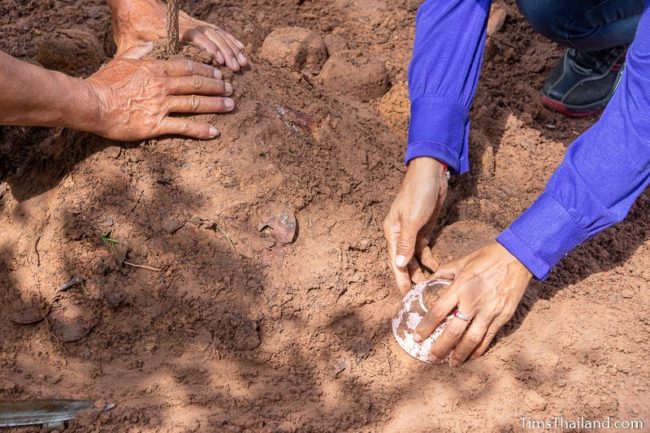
(140, 21)
(134, 97)
(411, 218)
(488, 285)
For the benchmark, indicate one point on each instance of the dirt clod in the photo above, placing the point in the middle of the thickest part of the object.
(356, 73)
(71, 320)
(394, 107)
(295, 48)
(73, 51)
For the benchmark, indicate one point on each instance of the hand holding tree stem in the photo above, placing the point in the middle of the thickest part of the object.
(172, 27)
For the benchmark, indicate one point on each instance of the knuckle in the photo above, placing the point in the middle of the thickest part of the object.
(195, 103)
(189, 66)
(184, 126)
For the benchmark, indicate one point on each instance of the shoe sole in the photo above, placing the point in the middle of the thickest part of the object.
(569, 111)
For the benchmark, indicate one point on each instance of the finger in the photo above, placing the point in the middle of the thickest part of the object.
(185, 68)
(448, 339)
(199, 86)
(448, 271)
(423, 253)
(405, 244)
(234, 40)
(229, 40)
(225, 48)
(179, 126)
(402, 278)
(199, 104)
(491, 332)
(202, 41)
(471, 340)
(243, 61)
(415, 273)
(137, 52)
(391, 232)
(437, 313)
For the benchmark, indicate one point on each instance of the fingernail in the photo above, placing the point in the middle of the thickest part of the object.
(417, 337)
(217, 73)
(213, 131)
(229, 103)
(401, 261)
(453, 363)
(228, 88)
(241, 58)
(432, 358)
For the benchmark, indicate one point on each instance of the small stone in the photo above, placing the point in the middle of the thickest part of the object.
(627, 294)
(281, 220)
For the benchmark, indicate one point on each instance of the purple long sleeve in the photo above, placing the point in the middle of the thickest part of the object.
(604, 170)
(444, 70)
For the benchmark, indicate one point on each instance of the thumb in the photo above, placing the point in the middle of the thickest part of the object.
(137, 52)
(406, 244)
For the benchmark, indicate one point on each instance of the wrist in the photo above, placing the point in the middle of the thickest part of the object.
(429, 164)
(136, 22)
(80, 109)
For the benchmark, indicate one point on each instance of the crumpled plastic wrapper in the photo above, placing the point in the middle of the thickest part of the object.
(415, 305)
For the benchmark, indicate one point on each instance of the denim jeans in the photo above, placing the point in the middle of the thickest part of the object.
(589, 25)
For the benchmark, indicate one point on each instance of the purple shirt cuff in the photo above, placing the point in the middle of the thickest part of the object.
(439, 130)
(542, 236)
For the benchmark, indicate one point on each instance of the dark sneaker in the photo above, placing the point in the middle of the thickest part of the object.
(583, 83)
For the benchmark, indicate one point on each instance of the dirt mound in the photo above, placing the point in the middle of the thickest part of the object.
(73, 51)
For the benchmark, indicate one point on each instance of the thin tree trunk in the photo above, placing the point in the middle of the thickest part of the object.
(172, 27)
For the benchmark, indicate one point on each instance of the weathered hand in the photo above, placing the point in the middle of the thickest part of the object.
(409, 222)
(137, 22)
(134, 97)
(488, 285)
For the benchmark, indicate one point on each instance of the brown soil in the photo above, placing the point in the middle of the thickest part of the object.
(250, 321)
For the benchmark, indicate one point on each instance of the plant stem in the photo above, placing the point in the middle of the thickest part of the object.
(172, 27)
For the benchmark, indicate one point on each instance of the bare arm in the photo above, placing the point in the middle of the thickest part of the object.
(33, 96)
(129, 99)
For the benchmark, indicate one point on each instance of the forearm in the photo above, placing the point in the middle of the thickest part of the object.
(603, 173)
(443, 74)
(33, 96)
